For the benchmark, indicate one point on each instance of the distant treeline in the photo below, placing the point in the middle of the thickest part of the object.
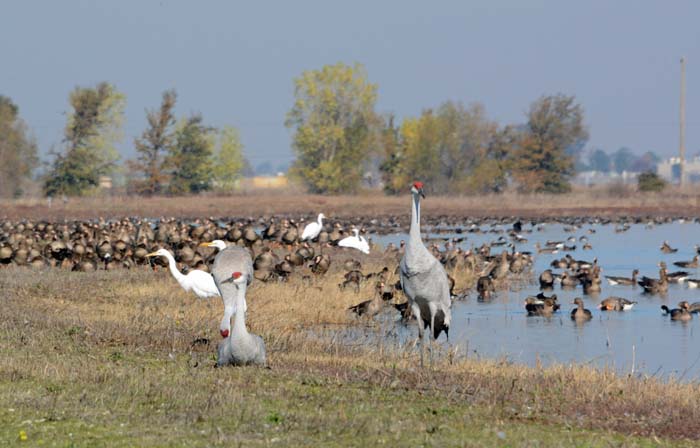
(340, 141)
(619, 161)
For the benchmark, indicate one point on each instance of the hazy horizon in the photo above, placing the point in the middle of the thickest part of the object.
(235, 64)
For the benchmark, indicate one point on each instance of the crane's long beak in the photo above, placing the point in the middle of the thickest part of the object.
(152, 254)
(206, 244)
(421, 193)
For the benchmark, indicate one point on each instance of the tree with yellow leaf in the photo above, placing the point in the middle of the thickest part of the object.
(454, 149)
(333, 119)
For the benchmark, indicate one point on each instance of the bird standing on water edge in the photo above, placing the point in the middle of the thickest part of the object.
(423, 278)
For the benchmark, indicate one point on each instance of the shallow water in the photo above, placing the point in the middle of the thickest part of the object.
(642, 340)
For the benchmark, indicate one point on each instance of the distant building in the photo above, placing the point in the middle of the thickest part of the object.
(589, 178)
(267, 182)
(105, 182)
(670, 169)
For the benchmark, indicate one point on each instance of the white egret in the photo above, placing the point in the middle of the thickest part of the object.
(199, 282)
(312, 229)
(355, 242)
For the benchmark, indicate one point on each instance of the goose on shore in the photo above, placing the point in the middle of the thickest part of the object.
(372, 307)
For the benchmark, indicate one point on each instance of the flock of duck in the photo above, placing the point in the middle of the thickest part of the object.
(221, 258)
(588, 276)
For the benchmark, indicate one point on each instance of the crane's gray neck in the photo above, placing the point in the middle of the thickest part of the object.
(414, 231)
(228, 313)
(239, 321)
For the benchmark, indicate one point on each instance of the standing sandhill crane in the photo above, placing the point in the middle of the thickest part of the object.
(423, 278)
(312, 229)
(199, 282)
(233, 272)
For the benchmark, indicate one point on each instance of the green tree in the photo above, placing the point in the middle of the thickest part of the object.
(650, 181)
(18, 150)
(541, 162)
(600, 161)
(466, 138)
(623, 159)
(391, 164)
(94, 127)
(490, 173)
(229, 161)
(190, 160)
(420, 141)
(333, 117)
(155, 142)
(646, 162)
(453, 149)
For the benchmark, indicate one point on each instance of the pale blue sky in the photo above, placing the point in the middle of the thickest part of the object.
(234, 61)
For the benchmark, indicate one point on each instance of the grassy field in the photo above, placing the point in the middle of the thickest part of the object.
(125, 358)
(584, 202)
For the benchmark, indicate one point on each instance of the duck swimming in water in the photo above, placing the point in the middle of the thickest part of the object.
(616, 304)
(580, 313)
(682, 313)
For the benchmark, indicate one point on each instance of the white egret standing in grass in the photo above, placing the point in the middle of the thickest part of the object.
(199, 282)
(355, 242)
(312, 229)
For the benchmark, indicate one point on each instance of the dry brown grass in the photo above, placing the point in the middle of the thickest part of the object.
(601, 201)
(83, 334)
